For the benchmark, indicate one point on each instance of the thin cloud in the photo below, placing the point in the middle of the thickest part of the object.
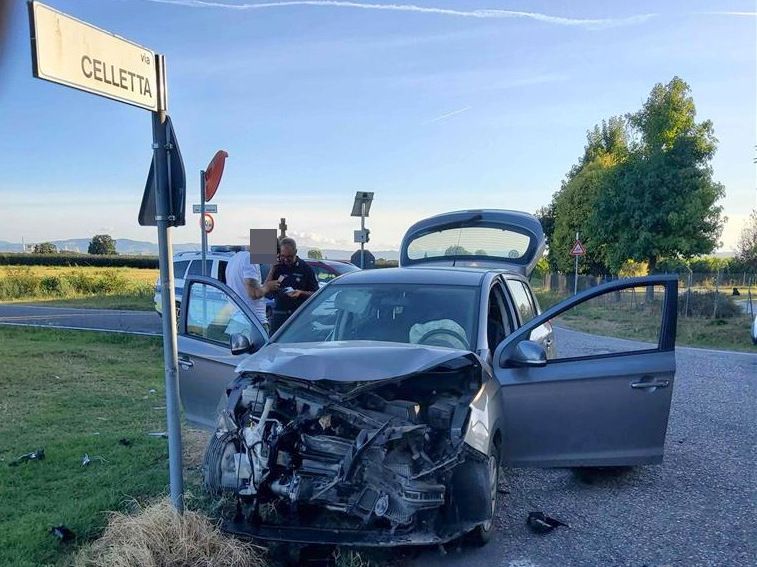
(449, 115)
(588, 23)
(748, 14)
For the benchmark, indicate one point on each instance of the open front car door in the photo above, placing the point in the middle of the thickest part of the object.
(604, 399)
(217, 330)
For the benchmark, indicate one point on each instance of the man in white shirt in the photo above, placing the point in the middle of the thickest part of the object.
(244, 278)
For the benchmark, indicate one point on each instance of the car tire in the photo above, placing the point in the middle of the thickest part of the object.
(211, 465)
(482, 534)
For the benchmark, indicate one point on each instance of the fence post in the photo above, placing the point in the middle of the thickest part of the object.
(717, 295)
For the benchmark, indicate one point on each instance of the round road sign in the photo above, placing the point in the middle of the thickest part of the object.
(213, 174)
(208, 223)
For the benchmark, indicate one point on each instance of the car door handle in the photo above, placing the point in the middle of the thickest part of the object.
(654, 384)
(186, 363)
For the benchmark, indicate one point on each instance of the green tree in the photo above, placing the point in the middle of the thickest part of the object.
(746, 248)
(661, 200)
(315, 254)
(456, 251)
(45, 248)
(573, 205)
(102, 244)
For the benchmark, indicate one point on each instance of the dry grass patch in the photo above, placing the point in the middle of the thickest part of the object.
(155, 536)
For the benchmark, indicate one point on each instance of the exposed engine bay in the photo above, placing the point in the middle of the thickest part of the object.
(384, 455)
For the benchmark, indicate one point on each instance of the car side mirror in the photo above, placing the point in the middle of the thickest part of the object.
(240, 344)
(527, 354)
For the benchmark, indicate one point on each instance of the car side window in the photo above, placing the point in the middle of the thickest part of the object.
(322, 275)
(498, 324)
(523, 302)
(195, 268)
(213, 316)
(222, 270)
(179, 269)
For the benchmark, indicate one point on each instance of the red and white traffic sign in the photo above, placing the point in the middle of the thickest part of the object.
(213, 174)
(208, 222)
(578, 249)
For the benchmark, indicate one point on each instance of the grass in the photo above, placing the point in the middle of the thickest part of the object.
(87, 287)
(73, 393)
(642, 323)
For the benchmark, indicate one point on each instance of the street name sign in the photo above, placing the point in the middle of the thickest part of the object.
(70, 52)
(578, 249)
(197, 209)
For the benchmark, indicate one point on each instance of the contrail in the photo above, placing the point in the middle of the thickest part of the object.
(601, 23)
(449, 114)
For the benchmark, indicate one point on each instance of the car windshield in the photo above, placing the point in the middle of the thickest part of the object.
(435, 315)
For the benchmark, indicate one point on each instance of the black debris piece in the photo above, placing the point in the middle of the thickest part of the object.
(63, 533)
(540, 523)
(125, 442)
(37, 455)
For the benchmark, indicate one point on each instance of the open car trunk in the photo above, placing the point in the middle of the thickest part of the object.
(488, 238)
(370, 463)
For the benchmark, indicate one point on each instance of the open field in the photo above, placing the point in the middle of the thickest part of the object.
(728, 333)
(104, 288)
(72, 393)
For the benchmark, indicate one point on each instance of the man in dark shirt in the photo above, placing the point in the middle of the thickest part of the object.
(297, 279)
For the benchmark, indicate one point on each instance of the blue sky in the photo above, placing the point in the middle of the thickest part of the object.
(434, 105)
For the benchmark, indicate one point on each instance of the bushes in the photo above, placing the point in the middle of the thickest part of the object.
(702, 304)
(73, 260)
(21, 282)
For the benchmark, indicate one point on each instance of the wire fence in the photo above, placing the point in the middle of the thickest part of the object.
(714, 295)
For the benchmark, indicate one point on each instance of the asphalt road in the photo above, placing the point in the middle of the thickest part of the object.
(136, 322)
(699, 508)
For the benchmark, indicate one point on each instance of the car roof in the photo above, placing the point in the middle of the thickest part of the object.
(417, 275)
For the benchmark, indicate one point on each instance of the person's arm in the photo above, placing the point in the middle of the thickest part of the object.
(311, 285)
(252, 284)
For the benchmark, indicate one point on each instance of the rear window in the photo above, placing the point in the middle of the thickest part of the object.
(469, 241)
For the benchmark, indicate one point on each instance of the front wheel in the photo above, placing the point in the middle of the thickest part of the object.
(482, 534)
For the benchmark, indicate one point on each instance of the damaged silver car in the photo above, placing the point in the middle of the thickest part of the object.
(381, 412)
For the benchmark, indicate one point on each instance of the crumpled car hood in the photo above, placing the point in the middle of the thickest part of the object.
(347, 361)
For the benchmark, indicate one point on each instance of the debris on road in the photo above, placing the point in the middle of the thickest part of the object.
(63, 533)
(37, 455)
(125, 442)
(162, 434)
(540, 523)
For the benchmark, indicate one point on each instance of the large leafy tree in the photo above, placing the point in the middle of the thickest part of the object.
(573, 205)
(315, 254)
(102, 244)
(662, 200)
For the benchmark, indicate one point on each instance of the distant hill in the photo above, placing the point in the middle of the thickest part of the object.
(130, 247)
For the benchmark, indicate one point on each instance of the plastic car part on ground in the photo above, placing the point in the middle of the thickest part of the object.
(37, 455)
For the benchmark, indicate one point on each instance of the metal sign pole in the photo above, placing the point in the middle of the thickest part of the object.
(168, 299)
(203, 234)
(575, 277)
(362, 243)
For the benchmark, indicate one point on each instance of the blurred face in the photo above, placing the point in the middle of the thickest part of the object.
(287, 255)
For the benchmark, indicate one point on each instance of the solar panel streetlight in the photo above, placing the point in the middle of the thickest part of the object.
(360, 208)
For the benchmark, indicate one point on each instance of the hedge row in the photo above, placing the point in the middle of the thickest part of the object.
(73, 260)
